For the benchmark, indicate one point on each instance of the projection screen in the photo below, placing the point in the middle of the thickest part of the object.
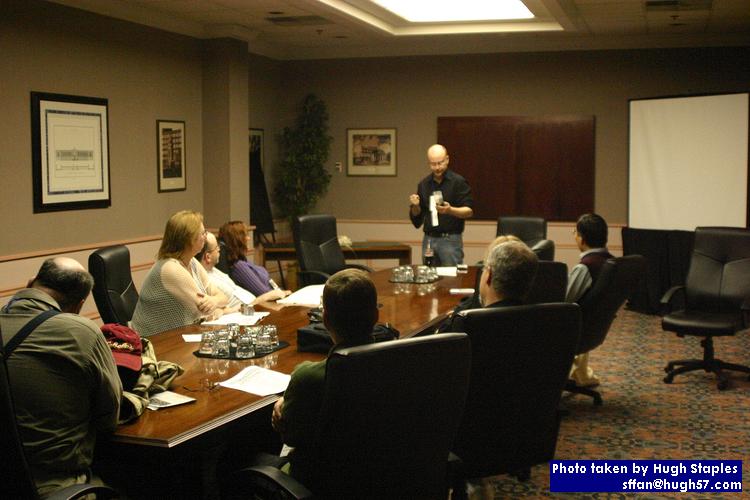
(688, 162)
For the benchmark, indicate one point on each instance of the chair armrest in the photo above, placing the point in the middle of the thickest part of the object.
(666, 305)
(269, 480)
(81, 490)
(314, 276)
(359, 266)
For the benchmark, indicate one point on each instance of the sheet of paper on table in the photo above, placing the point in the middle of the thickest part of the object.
(447, 271)
(307, 296)
(258, 381)
(167, 398)
(239, 318)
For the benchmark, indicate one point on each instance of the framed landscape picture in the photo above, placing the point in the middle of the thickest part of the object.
(170, 144)
(69, 152)
(371, 151)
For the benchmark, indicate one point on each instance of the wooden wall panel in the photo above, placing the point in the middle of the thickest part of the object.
(541, 166)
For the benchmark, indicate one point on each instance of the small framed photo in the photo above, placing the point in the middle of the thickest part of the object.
(371, 152)
(170, 164)
(69, 152)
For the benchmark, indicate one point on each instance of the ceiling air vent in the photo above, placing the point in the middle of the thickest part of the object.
(298, 20)
(670, 5)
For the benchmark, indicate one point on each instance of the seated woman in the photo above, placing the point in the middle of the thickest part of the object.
(177, 290)
(249, 276)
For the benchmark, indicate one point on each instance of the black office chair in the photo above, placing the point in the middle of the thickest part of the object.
(617, 279)
(389, 415)
(716, 298)
(318, 251)
(16, 478)
(530, 230)
(520, 361)
(114, 292)
(550, 283)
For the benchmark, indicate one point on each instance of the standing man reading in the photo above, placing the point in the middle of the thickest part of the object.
(442, 202)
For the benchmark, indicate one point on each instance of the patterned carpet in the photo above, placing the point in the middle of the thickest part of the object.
(644, 418)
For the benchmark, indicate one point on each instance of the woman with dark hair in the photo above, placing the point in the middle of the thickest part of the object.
(251, 277)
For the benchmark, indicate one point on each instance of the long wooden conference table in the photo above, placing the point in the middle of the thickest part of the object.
(411, 308)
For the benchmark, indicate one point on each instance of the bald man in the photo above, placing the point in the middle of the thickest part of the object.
(62, 374)
(441, 204)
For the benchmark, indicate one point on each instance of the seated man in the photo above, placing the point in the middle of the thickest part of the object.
(350, 311)
(472, 301)
(506, 279)
(591, 237)
(209, 257)
(62, 375)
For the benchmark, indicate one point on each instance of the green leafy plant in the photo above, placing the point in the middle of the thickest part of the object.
(301, 176)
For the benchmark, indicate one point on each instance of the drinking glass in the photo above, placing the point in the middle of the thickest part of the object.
(245, 347)
(273, 335)
(223, 344)
(247, 309)
(438, 197)
(208, 343)
(263, 342)
(234, 331)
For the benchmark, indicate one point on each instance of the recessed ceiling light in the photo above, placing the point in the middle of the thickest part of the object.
(431, 11)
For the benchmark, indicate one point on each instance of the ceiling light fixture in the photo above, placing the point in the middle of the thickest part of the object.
(432, 11)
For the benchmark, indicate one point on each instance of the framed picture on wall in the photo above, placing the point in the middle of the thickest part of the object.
(69, 152)
(170, 146)
(371, 151)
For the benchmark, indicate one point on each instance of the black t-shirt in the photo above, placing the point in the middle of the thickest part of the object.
(456, 191)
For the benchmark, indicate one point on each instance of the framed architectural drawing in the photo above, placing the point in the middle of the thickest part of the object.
(371, 151)
(170, 144)
(69, 152)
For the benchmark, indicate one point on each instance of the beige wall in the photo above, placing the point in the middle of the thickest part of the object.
(410, 93)
(145, 74)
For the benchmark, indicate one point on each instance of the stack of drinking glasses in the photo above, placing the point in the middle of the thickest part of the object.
(239, 342)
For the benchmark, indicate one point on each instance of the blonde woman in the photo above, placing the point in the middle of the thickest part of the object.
(177, 290)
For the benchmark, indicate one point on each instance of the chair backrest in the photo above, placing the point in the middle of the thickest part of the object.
(114, 292)
(223, 264)
(718, 279)
(521, 357)
(530, 230)
(390, 413)
(16, 476)
(317, 244)
(550, 283)
(616, 281)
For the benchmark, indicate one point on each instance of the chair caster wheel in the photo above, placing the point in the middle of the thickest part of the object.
(722, 385)
(597, 400)
(667, 369)
(668, 379)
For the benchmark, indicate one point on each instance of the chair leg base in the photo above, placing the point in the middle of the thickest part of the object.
(571, 386)
(713, 365)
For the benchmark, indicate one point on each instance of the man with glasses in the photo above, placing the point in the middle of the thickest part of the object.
(441, 203)
(209, 257)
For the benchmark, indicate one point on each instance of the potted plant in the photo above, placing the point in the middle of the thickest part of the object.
(301, 175)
